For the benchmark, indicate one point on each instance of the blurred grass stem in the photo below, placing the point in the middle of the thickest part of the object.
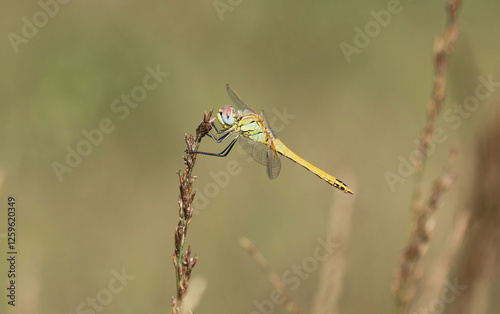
(409, 273)
(443, 48)
(275, 280)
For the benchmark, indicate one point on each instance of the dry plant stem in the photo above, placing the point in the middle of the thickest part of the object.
(477, 267)
(435, 281)
(443, 48)
(408, 275)
(183, 262)
(327, 299)
(275, 280)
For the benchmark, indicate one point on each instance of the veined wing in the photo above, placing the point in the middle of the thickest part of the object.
(263, 155)
(241, 104)
(238, 101)
(268, 126)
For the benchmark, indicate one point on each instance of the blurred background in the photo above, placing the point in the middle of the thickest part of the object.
(97, 97)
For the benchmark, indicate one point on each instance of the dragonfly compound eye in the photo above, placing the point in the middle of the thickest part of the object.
(227, 115)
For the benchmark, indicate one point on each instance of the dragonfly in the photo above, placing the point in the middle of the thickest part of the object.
(259, 140)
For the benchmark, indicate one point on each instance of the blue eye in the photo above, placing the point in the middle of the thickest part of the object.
(227, 115)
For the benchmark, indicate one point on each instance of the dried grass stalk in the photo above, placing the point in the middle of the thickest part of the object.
(332, 271)
(478, 267)
(275, 280)
(183, 262)
(409, 274)
(443, 48)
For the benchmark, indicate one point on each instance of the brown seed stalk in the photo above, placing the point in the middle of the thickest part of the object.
(183, 262)
(409, 273)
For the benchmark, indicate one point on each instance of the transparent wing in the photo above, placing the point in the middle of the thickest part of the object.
(268, 126)
(237, 100)
(263, 155)
(273, 164)
(257, 150)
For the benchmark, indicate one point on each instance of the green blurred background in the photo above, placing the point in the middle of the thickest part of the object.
(118, 208)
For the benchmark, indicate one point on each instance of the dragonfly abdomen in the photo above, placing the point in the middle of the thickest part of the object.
(285, 151)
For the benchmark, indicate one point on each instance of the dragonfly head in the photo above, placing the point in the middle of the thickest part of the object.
(226, 116)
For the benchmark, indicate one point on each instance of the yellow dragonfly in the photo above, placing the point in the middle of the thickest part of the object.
(259, 140)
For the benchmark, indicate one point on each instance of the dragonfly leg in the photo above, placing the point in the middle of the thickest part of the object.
(221, 154)
(222, 137)
(217, 130)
